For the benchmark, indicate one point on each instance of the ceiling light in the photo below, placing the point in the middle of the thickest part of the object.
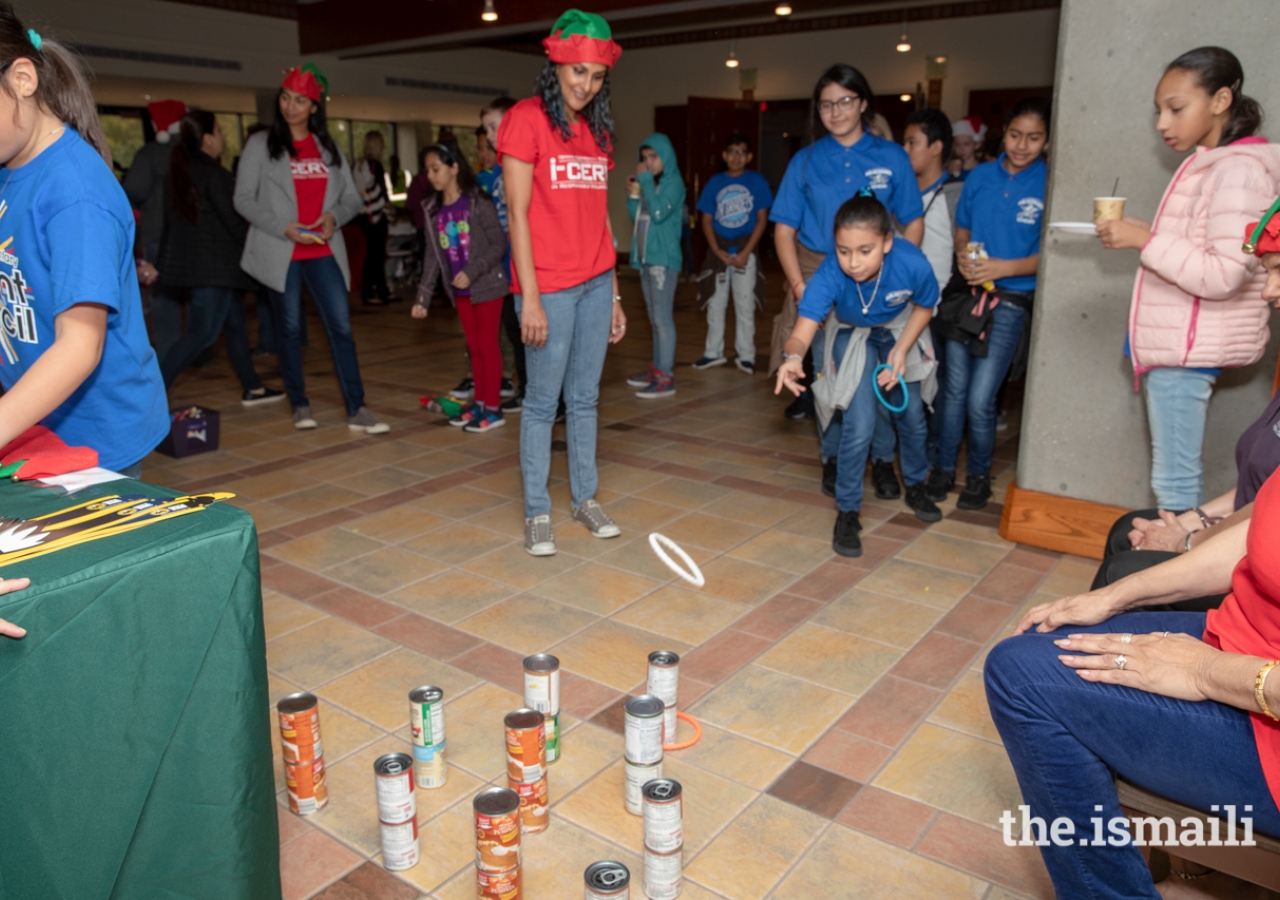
(905, 98)
(904, 43)
(782, 9)
(732, 61)
(490, 14)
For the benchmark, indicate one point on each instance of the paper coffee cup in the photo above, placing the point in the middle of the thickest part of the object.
(1108, 208)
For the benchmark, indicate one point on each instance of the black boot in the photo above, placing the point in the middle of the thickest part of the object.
(885, 481)
(921, 505)
(976, 493)
(845, 541)
(939, 485)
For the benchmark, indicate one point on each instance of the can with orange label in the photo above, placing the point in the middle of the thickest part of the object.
(300, 728)
(535, 814)
(497, 817)
(305, 783)
(498, 885)
(526, 746)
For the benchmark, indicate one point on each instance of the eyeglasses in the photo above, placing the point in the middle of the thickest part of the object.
(844, 104)
(737, 151)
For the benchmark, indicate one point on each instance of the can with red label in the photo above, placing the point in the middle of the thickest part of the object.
(393, 777)
(300, 728)
(400, 845)
(535, 813)
(497, 817)
(643, 728)
(636, 776)
(526, 746)
(498, 885)
(607, 880)
(663, 815)
(663, 874)
(305, 784)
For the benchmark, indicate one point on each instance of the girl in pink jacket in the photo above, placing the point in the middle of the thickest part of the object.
(1197, 300)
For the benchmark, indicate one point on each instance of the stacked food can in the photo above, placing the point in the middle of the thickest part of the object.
(542, 692)
(607, 880)
(426, 722)
(303, 753)
(664, 683)
(643, 757)
(498, 830)
(663, 839)
(526, 734)
(397, 810)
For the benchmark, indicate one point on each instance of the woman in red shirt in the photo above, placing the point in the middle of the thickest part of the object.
(1184, 704)
(555, 151)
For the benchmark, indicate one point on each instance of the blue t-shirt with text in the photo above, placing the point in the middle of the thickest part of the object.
(735, 202)
(1003, 212)
(823, 176)
(66, 238)
(905, 277)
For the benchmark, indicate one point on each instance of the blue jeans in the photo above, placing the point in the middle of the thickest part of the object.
(1177, 404)
(571, 361)
(969, 390)
(210, 311)
(860, 424)
(659, 286)
(1066, 736)
(324, 280)
(830, 437)
(884, 439)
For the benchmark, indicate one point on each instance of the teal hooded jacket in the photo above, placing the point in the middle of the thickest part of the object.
(664, 202)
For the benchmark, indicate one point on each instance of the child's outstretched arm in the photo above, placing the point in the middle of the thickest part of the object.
(792, 368)
(79, 334)
(917, 322)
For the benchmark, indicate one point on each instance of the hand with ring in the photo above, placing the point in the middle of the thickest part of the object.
(1164, 664)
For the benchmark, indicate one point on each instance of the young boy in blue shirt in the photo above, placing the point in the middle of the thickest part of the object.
(734, 209)
(885, 289)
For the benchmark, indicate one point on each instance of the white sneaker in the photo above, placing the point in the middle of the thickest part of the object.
(364, 421)
(538, 538)
(302, 418)
(594, 517)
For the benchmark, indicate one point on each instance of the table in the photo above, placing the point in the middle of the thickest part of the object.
(135, 734)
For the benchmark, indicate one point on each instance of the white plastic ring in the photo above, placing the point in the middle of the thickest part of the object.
(657, 542)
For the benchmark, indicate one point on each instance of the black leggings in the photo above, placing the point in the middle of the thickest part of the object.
(1120, 559)
(511, 324)
(373, 278)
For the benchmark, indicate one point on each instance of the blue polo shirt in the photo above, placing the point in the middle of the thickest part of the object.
(906, 277)
(734, 203)
(823, 176)
(1003, 211)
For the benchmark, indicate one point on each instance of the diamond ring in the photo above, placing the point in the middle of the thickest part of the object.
(1121, 662)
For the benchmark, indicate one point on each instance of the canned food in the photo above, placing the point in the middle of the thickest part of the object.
(636, 777)
(663, 874)
(300, 728)
(664, 675)
(669, 723)
(534, 809)
(607, 880)
(542, 683)
(393, 777)
(429, 769)
(663, 815)
(305, 784)
(497, 815)
(426, 716)
(553, 738)
(498, 885)
(400, 845)
(643, 728)
(526, 745)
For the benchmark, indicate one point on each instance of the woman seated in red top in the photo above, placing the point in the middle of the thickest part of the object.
(1184, 704)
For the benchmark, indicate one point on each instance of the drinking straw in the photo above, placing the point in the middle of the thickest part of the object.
(1116, 186)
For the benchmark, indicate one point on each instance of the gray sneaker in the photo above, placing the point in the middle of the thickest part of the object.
(364, 421)
(593, 516)
(302, 418)
(538, 539)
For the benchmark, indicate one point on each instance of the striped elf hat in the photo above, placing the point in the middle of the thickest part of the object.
(582, 37)
(1264, 237)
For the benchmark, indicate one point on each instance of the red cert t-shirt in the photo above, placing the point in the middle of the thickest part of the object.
(568, 212)
(310, 181)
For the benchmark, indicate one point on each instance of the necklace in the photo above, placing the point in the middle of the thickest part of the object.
(864, 303)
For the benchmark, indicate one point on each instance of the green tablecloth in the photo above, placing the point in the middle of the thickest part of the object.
(135, 754)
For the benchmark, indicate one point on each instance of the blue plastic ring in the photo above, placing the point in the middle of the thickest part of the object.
(902, 382)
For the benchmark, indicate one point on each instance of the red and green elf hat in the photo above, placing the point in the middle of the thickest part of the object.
(308, 81)
(1264, 237)
(582, 37)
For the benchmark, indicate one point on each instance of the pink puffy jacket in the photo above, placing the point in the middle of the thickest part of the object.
(1197, 300)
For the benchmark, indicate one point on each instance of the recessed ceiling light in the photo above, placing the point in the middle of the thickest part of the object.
(782, 9)
(490, 14)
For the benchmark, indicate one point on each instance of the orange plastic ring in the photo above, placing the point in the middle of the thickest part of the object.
(697, 734)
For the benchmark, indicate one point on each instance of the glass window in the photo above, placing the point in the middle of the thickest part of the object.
(125, 136)
(340, 131)
(462, 135)
(229, 123)
(386, 129)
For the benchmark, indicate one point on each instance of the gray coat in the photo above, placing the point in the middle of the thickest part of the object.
(266, 197)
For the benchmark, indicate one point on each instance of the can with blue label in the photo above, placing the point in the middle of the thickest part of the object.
(426, 722)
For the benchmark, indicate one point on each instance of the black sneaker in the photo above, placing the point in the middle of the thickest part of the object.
(261, 397)
(799, 408)
(507, 389)
(921, 505)
(514, 405)
(885, 481)
(829, 477)
(939, 484)
(976, 493)
(845, 540)
(465, 390)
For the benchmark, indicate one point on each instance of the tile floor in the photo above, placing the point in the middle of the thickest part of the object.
(845, 727)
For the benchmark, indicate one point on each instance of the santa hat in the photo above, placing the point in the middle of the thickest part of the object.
(166, 116)
(969, 126)
(582, 37)
(1264, 237)
(308, 81)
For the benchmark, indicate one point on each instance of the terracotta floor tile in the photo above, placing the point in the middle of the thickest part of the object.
(741, 581)
(718, 802)
(789, 552)
(752, 509)
(634, 555)
(876, 548)
(527, 623)
(325, 548)
(737, 758)
(1070, 576)
(846, 755)
(323, 651)
(937, 660)
(379, 480)
(1008, 583)
(428, 636)
(474, 732)
(451, 595)
(827, 581)
(313, 860)
(774, 709)
(721, 656)
(281, 614)
(319, 499)
(613, 653)
(313, 524)
(291, 827)
(975, 619)
(379, 691)
(919, 583)
(1033, 558)
(613, 717)
(458, 786)
(953, 554)
(457, 543)
(369, 882)
(833, 659)
(385, 570)
(497, 664)
(511, 564)
(356, 606)
(889, 711)
(584, 751)
(598, 808)
(898, 623)
(552, 862)
(716, 533)
(439, 464)
(448, 843)
(981, 851)
(683, 493)
(887, 816)
(685, 615)
(985, 531)
(595, 588)
(584, 697)
(965, 709)
(891, 530)
(814, 789)
(774, 618)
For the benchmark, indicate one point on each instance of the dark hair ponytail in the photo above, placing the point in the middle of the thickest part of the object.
(179, 185)
(280, 138)
(863, 210)
(63, 89)
(1215, 69)
(597, 114)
